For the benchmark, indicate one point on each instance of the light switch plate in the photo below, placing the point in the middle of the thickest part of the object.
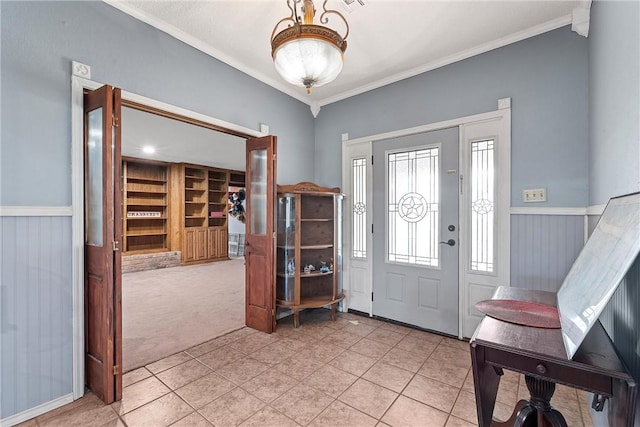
(534, 195)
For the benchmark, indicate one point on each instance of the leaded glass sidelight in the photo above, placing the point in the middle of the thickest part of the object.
(413, 207)
(359, 208)
(482, 206)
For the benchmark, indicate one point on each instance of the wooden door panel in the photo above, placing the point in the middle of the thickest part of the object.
(103, 219)
(260, 233)
(201, 244)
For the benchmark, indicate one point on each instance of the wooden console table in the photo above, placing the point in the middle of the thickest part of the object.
(540, 355)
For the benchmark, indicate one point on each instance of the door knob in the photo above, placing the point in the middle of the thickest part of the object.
(449, 242)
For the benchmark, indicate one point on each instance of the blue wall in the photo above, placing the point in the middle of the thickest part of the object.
(614, 99)
(547, 79)
(39, 41)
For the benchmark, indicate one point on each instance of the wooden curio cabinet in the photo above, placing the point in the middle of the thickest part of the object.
(309, 248)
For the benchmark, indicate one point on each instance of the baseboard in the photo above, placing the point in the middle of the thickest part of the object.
(36, 411)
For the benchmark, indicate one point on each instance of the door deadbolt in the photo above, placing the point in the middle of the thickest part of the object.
(451, 227)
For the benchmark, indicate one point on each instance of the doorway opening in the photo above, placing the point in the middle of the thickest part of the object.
(79, 118)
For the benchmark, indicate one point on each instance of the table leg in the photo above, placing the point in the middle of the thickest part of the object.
(622, 405)
(486, 381)
(332, 314)
(296, 317)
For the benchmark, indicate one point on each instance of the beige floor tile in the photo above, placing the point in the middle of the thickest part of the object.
(408, 412)
(117, 422)
(216, 359)
(273, 353)
(236, 335)
(339, 414)
(183, 374)
(469, 384)
(370, 348)
(465, 407)
(455, 357)
(511, 376)
(134, 376)
(204, 348)
(252, 343)
(140, 394)
(426, 336)
(389, 376)
(242, 370)
(161, 412)
(444, 372)
(268, 416)
(507, 392)
(269, 385)
(232, 408)
(370, 321)
(192, 420)
(330, 380)
(361, 328)
(338, 324)
(416, 344)
(462, 345)
(302, 403)
(293, 344)
(341, 338)
(458, 422)
(431, 392)
(353, 363)
(81, 415)
(403, 330)
(386, 336)
(404, 359)
(204, 390)
(368, 397)
(298, 367)
(322, 352)
(168, 362)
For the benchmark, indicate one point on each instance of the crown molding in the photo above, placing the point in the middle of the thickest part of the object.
(477, 50)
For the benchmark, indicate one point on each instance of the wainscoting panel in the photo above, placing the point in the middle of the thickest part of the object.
(35, 311)
(543, 248)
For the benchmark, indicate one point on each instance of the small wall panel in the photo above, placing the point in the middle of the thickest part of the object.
(543, 249)
(36, 311)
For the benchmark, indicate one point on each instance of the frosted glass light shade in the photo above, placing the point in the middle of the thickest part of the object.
(308, 62)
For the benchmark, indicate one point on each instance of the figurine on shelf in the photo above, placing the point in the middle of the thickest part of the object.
(324, 268)
(291, 267)
(309, 268)
(331, 265)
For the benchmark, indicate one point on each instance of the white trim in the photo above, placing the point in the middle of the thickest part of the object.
(527, 210)
(595, 209)
(36, 211)
(474, 51)
(78, 85)
(429, 127)
(36, 410)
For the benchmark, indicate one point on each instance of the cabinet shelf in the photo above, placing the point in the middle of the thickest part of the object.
(199, 190)
(146, 218)
(140, 179)
(309, 247)
(146, 234)
(316, 219)
(194, 203)
(151, 202)
(146, 192)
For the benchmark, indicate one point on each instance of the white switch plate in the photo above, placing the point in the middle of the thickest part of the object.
(534, 195)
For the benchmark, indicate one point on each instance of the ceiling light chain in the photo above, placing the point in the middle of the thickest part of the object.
(306, 54)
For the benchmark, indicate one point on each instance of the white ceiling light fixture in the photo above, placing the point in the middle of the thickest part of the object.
(305, 54)
(148, 149)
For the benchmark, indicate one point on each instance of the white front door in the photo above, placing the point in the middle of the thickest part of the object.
(415, 230)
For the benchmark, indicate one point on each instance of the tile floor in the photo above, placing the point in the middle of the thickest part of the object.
(355, 371)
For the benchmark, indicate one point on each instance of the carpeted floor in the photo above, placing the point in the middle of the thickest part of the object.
(171, 309)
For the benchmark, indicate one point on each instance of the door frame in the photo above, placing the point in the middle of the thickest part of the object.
(78, 85)
(503, 198)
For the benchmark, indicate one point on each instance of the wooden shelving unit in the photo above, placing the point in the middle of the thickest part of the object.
(145, 204)
(309, 234)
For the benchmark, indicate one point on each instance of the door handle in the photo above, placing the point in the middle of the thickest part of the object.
(449, 242)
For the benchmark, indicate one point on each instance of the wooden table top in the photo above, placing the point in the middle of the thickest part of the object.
(596, 352)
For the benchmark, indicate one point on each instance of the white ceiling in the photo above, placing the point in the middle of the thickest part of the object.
(176, 141)
(389, 40)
